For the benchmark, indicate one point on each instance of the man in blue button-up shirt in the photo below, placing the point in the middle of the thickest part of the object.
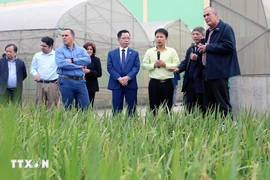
(71, 59)
(12, 74)
(43, 69)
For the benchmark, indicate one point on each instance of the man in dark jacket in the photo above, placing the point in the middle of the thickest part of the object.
(12, 74)
(192, 65)
(219, 60)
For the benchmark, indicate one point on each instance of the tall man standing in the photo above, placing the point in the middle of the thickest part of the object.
(71, 60)
(12, 74)
(157, 61)
(219, 60)
(43, 69)
(123, 65)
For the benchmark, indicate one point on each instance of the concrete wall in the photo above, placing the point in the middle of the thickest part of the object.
(250, 91)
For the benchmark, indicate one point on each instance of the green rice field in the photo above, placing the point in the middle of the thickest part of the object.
(85, 145)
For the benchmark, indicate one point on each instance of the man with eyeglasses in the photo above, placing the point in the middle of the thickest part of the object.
(43, 69)
(123, 65)
(71, 59)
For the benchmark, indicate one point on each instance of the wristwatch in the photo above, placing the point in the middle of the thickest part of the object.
(72, 60)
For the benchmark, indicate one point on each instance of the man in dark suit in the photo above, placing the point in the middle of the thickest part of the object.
(12, 74)
(193, 79)
(123, 65)
(219, 60)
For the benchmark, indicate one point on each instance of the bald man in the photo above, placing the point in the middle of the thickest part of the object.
(220, 62)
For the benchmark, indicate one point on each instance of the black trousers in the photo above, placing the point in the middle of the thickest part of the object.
(216, 95)
(192, 98)
(91, 98)
(160, 92)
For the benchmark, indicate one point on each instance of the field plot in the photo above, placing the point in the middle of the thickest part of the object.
(56, 144)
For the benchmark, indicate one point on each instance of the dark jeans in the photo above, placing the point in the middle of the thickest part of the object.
(160, 93)
(13, 95)
(73, 90)
(216, 95)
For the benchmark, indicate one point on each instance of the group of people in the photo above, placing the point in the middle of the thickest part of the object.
(208, 64)
(67, 70)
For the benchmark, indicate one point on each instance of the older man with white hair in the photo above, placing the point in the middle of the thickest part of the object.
(219, 60)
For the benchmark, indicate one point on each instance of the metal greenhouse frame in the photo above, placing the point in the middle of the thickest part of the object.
(251, 23)
(92, 20)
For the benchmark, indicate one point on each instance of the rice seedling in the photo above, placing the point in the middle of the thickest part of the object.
(85, 145)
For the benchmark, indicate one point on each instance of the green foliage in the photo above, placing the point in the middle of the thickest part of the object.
(84, 145)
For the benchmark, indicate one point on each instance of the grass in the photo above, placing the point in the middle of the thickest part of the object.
(86, 146)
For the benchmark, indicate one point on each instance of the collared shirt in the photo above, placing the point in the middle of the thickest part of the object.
(80, 56)
(12, 74)
(168, 55)
(44, 65)
(126, 49)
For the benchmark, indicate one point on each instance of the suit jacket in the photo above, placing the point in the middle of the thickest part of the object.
(4, 72)
(95, 72)
(132, 68)
(197, 72)
(221, 55)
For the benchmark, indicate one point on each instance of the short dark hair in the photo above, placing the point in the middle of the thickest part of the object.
(48, 40)
(119, 34)
(71, 31)
(14, 47)
(4, 55)
(92, 45)
(199, 29)
(163, 31)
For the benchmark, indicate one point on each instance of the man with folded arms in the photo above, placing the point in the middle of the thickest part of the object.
(71, 59)
(43, 69)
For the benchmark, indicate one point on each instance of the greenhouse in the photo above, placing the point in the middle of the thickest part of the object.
(179, 34)
(97, 21)
(251, 23)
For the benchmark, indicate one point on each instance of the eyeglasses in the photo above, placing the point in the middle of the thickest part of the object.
(125, 38)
